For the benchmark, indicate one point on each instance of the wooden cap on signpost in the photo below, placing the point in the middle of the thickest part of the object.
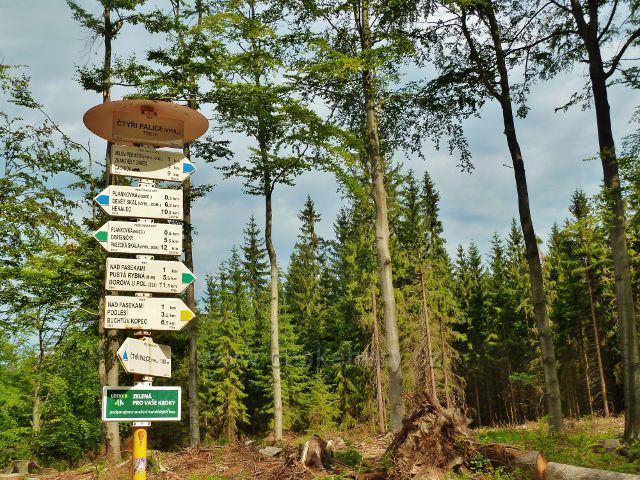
(147, 122)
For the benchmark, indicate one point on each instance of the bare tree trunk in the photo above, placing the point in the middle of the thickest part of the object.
(36, 413)
(275, 341)
(624, 294)
(445, 371)
(596, 340)
(102, 367)
(376, 360)
(379, 196)
(477, 395)
(538, 296)
(110, 344)
(427, 330)
(587, 372)
(512, 395)
(194, 409)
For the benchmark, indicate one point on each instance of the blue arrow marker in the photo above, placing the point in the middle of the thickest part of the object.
(102, 199)
(188, 167)
(125, 357)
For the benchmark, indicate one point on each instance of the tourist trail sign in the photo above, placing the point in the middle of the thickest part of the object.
(143, 357)
(140, 238)
(147, 129)
(145, 313)
(154, 276)
(141, 202)
(141, 404)
(150, 163)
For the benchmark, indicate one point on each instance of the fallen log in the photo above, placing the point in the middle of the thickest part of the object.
(560, 471)
(533, 466)
(530, 465)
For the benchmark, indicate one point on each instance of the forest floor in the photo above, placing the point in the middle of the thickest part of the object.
(360, 455)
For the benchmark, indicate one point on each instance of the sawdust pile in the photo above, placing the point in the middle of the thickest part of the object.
(432, 441)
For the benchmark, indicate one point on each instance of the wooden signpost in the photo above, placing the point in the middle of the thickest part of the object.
(142, 275)
(141, 202)
(140, 237)
(150, 163)
(136, 127)
(145, 313)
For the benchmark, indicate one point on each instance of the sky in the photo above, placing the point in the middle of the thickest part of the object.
(557, 147)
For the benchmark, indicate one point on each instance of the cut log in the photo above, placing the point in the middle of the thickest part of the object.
(530, 465)
(560, 471)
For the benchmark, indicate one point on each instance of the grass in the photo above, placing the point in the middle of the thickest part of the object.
(575, 447)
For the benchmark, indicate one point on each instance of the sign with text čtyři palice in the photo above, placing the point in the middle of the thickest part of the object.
(147, 129)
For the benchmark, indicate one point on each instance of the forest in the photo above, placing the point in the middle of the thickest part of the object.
(349, 332)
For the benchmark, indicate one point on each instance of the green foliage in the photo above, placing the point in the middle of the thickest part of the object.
(321, 406)
(223, 363)
(350, 457)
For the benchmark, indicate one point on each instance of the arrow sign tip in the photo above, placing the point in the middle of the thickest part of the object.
(188, 167)
(125, 357)
(188, 278)
(102, 199)
(101, 236)
(186, 315)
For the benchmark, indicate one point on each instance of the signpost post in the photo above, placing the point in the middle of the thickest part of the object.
(142, 124)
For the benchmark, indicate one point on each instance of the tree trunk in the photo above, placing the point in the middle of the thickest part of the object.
(102, 367)
(379, 196)
(512, 395)
(596, 340)
(587, 373)
(477, 395)
(538, 297)
(427, 330)
(110, 344)
(275, 342)
(445, 371)
(618, 238)
(376, 360)
(36, 413)
(194, 409)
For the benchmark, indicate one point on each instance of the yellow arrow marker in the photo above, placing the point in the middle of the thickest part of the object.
(186, 315)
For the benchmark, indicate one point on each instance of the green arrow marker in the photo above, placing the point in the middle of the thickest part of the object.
(187, 278)
(101, 236)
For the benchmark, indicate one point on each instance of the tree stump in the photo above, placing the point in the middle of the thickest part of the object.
(314, 453)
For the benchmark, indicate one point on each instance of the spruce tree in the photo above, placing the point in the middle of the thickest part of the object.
(223, 357)
(303, 288)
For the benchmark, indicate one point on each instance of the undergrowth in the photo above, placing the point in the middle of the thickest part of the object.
(578, 446)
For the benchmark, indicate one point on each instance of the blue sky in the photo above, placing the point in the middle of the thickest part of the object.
(41, 35)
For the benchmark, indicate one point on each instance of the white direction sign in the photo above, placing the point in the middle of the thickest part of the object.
(154, 276)
(140, 237)
(147, 129)
(150, 163)
(141, 202)
(143, 357)
(146, 313)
